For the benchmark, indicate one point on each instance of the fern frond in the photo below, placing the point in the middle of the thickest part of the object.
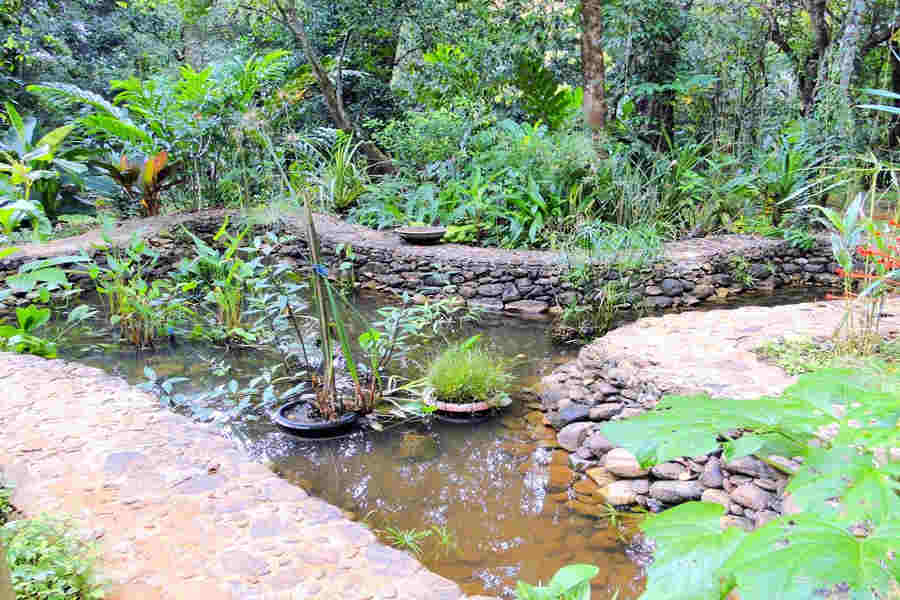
(115, 127)
(66, 95)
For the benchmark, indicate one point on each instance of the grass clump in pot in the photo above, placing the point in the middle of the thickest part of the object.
(467, 372)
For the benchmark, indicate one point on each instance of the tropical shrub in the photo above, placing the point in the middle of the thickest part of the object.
(572, 582)
(840, 528)
(47, 561)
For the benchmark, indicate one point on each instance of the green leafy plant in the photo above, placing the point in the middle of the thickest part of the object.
(572, 582)
(543, 99)
(843, 423)
(47, 561)
(468, 372)
(144, 180)
(797, 355)
(407, 539)
(50, 174)
(740, 271)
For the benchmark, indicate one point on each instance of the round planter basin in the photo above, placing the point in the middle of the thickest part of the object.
(464, 414)
(294, 417)
(421, 235)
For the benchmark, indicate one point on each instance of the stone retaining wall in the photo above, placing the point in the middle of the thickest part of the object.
(689, 273)
(626, 373)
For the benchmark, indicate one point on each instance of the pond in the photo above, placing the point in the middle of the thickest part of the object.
(480, 490)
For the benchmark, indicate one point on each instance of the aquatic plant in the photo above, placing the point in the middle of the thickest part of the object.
(407, 539)
(468, 372)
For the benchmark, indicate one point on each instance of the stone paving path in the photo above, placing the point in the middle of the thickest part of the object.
(178, 511)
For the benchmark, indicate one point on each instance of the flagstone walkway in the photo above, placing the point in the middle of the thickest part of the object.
(177, 510)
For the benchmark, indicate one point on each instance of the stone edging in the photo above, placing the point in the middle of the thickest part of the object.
(177, 510)
(529, 281)
(628, 370)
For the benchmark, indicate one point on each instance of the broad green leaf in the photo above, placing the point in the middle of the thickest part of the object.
(792, 557)
(32, 317)
(4, 252)
(574, 581)
(691, 547)
(53, 139)
(26, 281)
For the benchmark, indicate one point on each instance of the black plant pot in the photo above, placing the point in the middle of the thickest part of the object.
(308, 427)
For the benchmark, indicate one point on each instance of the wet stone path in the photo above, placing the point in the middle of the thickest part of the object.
(176, 509)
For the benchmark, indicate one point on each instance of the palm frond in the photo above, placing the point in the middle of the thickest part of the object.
(116, 127)
(66, 95)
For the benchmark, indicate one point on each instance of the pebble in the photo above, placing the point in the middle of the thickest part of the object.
(674, 492)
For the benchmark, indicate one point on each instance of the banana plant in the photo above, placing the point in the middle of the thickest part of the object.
(53, 173)
(143, 180)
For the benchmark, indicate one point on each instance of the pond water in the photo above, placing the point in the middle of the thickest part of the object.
(479, 489)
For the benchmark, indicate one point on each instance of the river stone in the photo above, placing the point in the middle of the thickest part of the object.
(569, 414)
(600, 476)
(490, 289)
(598, 444)
(621, 462)
(674, 492)
(712, 473)
(571, 436)
(559, 478)
(604, 388)
(703, 291)
(752, 466)
(732, 521)
(618, 493)
(586, 487)
(653, 290)
(605, 411)
(751, 496)
(589, 510)
(668, 470)
(763, 517)
(717, 496)
(672, 287)
(532, 307)
(640, 486)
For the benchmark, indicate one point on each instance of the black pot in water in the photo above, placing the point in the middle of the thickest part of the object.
(294, 417)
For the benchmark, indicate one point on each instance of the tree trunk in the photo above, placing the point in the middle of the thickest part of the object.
(6, 588)
(593, 67)
(848, 52)
(332, 91)
(810, 73)
(894, 51)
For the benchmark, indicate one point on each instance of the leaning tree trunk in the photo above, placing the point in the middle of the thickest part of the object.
(333, 90)
(593, 67)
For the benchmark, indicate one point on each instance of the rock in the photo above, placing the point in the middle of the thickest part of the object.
(717, 496)
(581, 464)
(604, 388)
(573, 435)
(621, 462)
(560, 478)
(640, 486)
(589, 510)
(767, 484)
(586, 487)
(533, 307)
(598, 444)
(652, 290)
(703, 291)
(751, 466)
(605, 411)
(600, 476)
(733, 521)
(712, 473)
(618, 493)
(490, 289)
(668, 470)
(569, 414)
(674, 492)
(567, 298)
(751, 496)
(763, 517)
(510, 293)
(672, 287)
(785, 465)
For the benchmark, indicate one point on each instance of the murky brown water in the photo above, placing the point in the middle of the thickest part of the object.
(482, 486)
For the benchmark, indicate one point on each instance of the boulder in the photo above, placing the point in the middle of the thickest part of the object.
(751, 496)
(675, 492)
(623, 463)
(573, 435)
(618, 493)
